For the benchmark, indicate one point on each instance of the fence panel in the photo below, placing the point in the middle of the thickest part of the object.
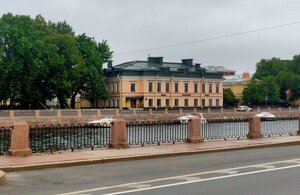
(280, 126)
(140, 133)
(225, 128)
(4, 139)
(65, 137)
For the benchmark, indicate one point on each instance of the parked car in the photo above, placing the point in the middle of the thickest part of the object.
(267, 116)
(104, 121)
(185, 119)
(244, 108)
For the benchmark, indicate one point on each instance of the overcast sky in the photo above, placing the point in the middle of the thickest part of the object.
(135, 25)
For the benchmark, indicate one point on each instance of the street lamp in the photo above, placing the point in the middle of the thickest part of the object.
(266, 98)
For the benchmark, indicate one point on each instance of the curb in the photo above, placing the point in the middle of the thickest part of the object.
(2, 177)
(136, 157)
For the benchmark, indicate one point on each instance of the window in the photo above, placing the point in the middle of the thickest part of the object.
(210, 102)
(176, 87)
(195, 87)
(158, 87)
(186, 87)
(217, 102)
(217, 88)
(176, 102)
(186, 102)
(158, 102)
(112, 103)
(210, 88)
(107, 88)
(117, 87)
(203, 102)
(167, 102)
(195, 102)
(150, 102)
(112, 87)
(203, 88)
(150, 87)
(167, 87)
(117, 103)
(132, 87)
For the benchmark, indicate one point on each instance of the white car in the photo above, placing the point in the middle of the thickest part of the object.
(104, 121)
(185, 119)
(244, 108)
(266, 116)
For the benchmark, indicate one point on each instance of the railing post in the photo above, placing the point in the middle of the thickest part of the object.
(98, 113)
(195, 110)
(58, 114)
(118, 134)
(37, 114)
(258, 109)
(254, 128)
(298, 132)
(180, 111)
(194, 130)
(208, 110)
(290, 109)
(11, 114)
(234, 109)
(116, 112)
(222, 110)
(79, 113)
(20, 140)
(269, 109)
(134, 112)
(150, 111)
(279, 109)
(166, 111)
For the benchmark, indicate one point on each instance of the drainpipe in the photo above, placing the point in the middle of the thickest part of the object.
(120, 92)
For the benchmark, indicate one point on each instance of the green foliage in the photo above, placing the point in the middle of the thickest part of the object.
(280, 75)
(229, 98)
(41, 60)
(254, 93)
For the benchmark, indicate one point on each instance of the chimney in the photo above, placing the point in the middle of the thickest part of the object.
(109, 64)
(246, 75)
(157, 60)
(198, 66)
(188, 62)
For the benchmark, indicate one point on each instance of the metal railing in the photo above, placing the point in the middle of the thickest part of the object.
(225, 128)
(156, 132)
(280, 126)
(65, 137)
(4, 139)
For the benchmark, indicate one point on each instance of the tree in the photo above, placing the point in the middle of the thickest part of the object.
(254, 93)
(41, 60)
(88, 78)
(272, 89)
(229, 98)
(21, 59)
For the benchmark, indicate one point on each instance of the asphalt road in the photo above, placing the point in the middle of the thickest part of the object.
(258, 171)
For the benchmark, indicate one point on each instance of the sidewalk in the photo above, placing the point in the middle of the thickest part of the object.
(81, 157)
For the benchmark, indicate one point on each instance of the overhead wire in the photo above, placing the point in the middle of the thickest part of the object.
(209, 39)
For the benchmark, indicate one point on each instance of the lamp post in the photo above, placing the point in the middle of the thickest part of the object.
(266, 98)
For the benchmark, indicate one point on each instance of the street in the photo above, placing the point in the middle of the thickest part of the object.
(222, 169)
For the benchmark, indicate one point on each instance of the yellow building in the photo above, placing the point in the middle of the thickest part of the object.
(157, 84)
(237, 87)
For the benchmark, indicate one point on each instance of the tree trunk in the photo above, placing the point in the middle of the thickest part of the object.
(73, 97)
(61, 102)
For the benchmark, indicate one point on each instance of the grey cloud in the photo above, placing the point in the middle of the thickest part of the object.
(130, 25)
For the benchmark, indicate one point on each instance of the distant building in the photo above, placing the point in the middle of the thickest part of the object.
(158, 84)
(237, 84)
(220, 69)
